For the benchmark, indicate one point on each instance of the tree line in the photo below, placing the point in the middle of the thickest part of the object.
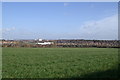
(64, 43)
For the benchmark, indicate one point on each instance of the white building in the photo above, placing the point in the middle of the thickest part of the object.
(45, 43)
(40, 39)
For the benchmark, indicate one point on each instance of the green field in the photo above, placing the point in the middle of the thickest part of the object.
(59, 62)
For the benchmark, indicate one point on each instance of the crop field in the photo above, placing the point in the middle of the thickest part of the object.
(59, 62)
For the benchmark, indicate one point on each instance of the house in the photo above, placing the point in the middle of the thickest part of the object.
(45, 43)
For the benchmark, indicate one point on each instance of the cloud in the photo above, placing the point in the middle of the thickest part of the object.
(4, 30)
(106, 28)
(16, 33)
(66, 4)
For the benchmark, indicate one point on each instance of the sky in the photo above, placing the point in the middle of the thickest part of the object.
(60, 20)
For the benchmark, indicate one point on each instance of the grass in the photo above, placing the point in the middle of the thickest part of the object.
(59, 63)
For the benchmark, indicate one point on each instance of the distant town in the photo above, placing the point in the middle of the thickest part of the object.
(35, 43)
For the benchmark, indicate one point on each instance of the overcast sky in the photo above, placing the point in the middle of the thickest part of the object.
(60, 20)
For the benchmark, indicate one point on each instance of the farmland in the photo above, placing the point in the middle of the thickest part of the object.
(59, 62)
